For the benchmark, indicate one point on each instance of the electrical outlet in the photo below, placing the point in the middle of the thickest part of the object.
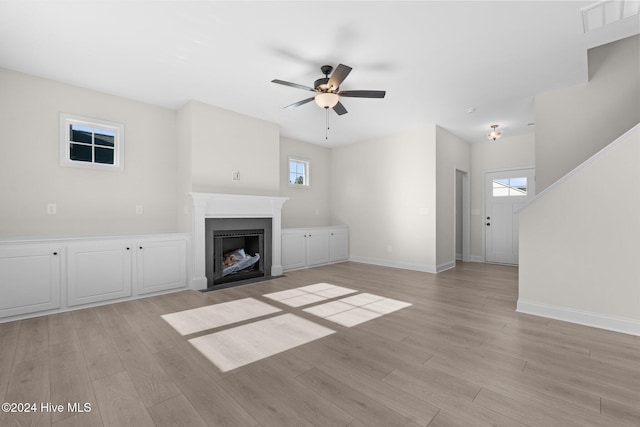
(236, 175)
(52, 209)
(139, 210)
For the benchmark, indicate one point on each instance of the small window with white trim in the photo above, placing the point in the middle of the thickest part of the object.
(298, 172)
(91, 143)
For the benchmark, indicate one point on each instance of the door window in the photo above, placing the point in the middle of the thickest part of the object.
(506, 187)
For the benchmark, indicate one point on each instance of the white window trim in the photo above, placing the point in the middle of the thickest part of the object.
(65, 142)
(307, 169)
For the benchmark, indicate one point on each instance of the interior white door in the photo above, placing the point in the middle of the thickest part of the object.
(505, 193)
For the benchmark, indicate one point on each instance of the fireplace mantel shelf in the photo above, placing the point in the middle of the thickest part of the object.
(220, 205)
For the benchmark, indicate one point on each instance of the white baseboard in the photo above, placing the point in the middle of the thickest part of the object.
(394, 264)
(198, 283)
(445, 266)
(596, 320)
(475, 258)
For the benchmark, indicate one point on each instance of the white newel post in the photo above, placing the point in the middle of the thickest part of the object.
(214, 205)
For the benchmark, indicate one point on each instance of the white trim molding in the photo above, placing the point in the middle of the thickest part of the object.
(596, 320)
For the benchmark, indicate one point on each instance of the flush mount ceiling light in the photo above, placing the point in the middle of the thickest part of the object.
(494, 134)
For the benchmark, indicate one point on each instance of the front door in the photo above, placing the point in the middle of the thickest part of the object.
(505, 193)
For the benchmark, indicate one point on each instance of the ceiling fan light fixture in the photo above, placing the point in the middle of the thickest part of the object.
(327, 99)
(494, 134)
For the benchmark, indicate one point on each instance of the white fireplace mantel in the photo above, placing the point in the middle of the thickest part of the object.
(216, 205)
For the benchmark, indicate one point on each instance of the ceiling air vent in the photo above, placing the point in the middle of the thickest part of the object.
(604, 13)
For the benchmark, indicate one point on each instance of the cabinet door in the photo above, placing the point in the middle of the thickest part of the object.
(161, 265)
(339, 245)
(317, 247)
(98, 272)
(29, 280)
(294, 250)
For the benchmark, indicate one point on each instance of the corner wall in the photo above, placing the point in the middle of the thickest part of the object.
(384, 190)
(579, 243)
(574, 123)
(451, 153)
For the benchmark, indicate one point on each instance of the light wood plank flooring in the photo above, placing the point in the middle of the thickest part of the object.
(458, 356)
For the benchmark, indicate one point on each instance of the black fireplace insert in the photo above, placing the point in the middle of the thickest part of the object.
(238, 251)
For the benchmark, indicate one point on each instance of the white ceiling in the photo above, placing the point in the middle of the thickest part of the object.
(436, 60)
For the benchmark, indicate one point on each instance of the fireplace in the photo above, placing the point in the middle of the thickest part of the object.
(238, 250)
(267, 210)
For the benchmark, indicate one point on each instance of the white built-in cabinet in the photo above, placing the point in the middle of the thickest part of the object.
(29, 279)
(161, 265)
(67, 274)
(307, 247)
(98, 272)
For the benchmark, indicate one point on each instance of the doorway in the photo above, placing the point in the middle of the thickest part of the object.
(505, 192)
(462, 233)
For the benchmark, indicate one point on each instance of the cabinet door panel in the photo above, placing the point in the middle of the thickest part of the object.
(98, 272)
(294, 251)
(318, 247)
(29, 280)
(161, 266)
(339, 247)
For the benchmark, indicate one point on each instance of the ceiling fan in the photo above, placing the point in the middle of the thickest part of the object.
(327, 89)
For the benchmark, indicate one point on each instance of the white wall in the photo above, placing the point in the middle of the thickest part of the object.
(451, 153)
(89, 202)
(505, 153)
(307, 206)
(579, 243)
(574, 123)
(184, 165)
(384, 190)
(224, 141)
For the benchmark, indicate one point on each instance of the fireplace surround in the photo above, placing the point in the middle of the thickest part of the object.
(227, 206)
(225, 237)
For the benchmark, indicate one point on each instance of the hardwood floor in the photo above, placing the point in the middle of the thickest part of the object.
(458, 356)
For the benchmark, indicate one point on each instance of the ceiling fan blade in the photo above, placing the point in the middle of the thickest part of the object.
(363, 93)
(299, 103)
(339, 108)
(296, 85)
(338, 76)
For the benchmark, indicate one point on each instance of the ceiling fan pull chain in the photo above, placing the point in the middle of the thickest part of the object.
(326, 131)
